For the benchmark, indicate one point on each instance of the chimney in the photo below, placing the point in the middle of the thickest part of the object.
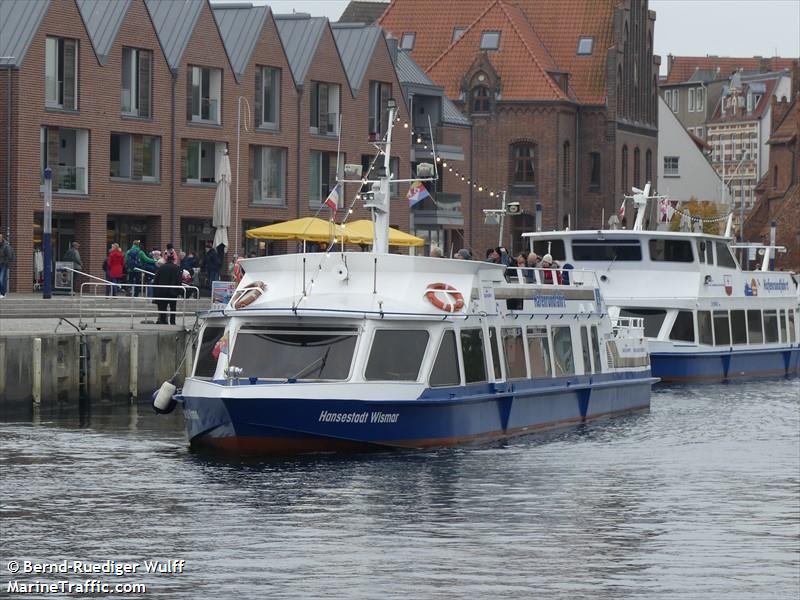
(795, 75)
(670, 60)
(779, 109)
(391, 41)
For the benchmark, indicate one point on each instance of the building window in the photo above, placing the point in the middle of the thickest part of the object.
(134, 156)
(637, 168)
(775, 177)
(61, 73)
(700, 132)
(490, 40)
(480, 99)
(675, 101)
(269, 175)
(379, 94)
(66, 152)
(323, 176)
(668, 98)
(407, 41)
(523, 173)
(200, 160)
(565, 165)
(585, 46)
(700, 105)
(594, 171)
(268, 97)
(457, 33)
(691, 100)
(204, 89)
(648, 166)
(137, 68)
(671, 166)
(324, 108)
(625, 169)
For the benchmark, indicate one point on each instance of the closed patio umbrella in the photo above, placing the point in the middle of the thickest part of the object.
(222, 202)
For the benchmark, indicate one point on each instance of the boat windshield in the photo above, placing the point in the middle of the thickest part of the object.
(301, 353)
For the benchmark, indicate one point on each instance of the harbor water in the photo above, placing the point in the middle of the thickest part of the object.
(699, 497)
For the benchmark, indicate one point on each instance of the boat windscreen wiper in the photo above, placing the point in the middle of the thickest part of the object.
(312, 366)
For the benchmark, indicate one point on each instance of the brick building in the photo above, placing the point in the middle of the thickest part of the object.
(561, 95)
(132, 103)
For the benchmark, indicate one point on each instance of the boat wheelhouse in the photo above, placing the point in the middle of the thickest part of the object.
(357, 351)
(705, 318)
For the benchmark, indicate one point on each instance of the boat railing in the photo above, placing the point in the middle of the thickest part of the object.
(627, 327)
(555, 276)
(132, 300)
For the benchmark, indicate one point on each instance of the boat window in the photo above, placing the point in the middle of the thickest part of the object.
(683, 327)
(770, 326)
(554, 248)
(562, 351)
(671, 251)
(514, 352)
(539, 352)
(445, 369)
(294, 354)
(598, 366)
(739, 327)
(498, 371)
(755, 333)
(704, 327)
(587, 361)
(782, 326)
(387, 364)
(474, 358)
(209, 352)
(623, 250)
(722, 331)
(724, 257)
(790, 325)
(705, 251)
(653, 318)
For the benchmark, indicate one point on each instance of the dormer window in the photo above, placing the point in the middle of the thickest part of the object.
(457, 33)
(480, 99)
(490, 40)
(407, 41)
(585, 46)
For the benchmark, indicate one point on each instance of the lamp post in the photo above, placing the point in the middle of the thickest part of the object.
(47, 230)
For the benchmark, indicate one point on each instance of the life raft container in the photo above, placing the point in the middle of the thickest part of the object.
(455, 298)
(245, 296)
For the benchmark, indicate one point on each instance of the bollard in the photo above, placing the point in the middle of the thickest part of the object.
(133, 388)
(37, 372)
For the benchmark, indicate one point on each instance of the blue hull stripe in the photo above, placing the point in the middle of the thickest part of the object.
(725, 366)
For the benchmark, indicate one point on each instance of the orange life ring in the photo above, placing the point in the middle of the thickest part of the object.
(248, 294)
(457, 302)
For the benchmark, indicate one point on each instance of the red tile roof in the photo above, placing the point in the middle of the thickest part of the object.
(683, 67)
(521, 60)
(556, 24)
(789, 128)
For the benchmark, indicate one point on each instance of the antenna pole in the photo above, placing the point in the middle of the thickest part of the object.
(381, 200)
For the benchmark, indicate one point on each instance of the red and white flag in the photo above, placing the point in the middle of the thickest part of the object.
(622, 210)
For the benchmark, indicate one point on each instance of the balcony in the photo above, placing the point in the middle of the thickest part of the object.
(422, 137)
(445, 210)
(205, 110)
(70, 179)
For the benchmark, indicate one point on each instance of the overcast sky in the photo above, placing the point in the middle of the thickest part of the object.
(683, 27)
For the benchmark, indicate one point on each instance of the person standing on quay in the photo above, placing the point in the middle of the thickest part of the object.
(116, 266)
(6, 258)
(73, 255)
(168, 274)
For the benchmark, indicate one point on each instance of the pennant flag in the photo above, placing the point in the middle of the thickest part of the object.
(332, 201)
(622, 210)
(416, 193)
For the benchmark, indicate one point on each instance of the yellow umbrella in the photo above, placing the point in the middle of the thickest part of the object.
(309, 229)
(362, 232)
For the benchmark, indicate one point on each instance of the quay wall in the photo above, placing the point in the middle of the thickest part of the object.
(44, 370)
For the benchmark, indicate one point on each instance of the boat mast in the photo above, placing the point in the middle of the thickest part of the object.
(380, 199)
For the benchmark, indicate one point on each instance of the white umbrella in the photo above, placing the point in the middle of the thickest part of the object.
(222, 202)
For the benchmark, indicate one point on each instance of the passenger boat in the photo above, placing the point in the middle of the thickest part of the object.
(360, 351)
(706, 319)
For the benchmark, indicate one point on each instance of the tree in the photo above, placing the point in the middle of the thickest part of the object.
(704, 209)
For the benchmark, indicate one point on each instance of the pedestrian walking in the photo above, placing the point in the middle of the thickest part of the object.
(6, 258)
(73, 255)
(166, 298)
(116, 267)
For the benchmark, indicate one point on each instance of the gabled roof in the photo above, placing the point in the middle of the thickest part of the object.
(451, 114)
(174, 23)
(240, 26)
(359, 11)
(409, 72)
(300, 34)
(521, 60)
(789, 127)
(558, 24)
(19, 21)
(684, 67)
(356, 44)
(102, 19)
(766, 89)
